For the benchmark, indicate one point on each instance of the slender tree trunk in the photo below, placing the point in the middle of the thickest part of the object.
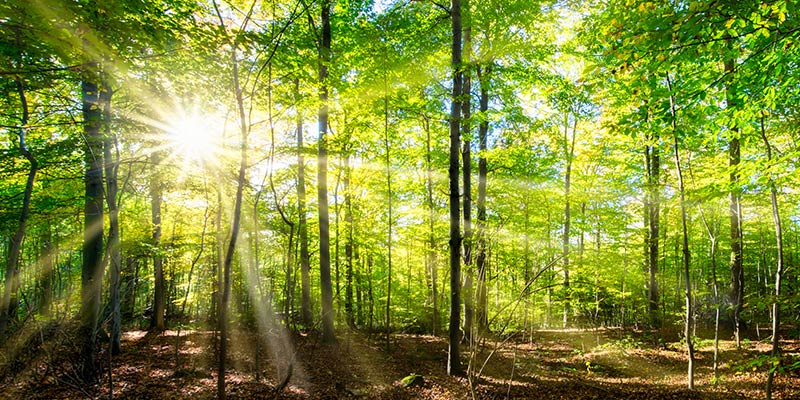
(466, 165)
(287, 306)
(454, 355)
(713, 236)
(237, 211)
(328, 334)
(336, 234)
(734, 156)
(483, 130)
(569, 151)
(48, 263)
(305, 264)
(241, 180)
(114, 255)
(370, 295)
(389, 196)
(431, 232)
(358, 274)
(776, 220)
(159, 297)
(348, 248)
(688, 322)
(92, 267)
(653, 161)
(8, 308)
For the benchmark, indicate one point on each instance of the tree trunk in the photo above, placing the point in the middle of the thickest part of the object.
(466, 164)
(328, 334)
(434, 270)
(159, 296)
(92, 267)
(688, 322)
(713, 236)
(653, 164)
(287, 305)
(237, 211)
(114, 255)
(348, 248)
(776, 220)
(8, 309)
(483, 130)
(305, 302)
(454, 357)
(734, 156)
(569, 151)
(389, 196)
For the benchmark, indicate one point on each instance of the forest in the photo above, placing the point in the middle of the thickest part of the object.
(324, 199)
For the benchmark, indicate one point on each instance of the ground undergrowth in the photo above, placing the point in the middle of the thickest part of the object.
(549, 364)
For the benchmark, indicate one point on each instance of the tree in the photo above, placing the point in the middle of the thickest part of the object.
(92, 267)
(482, 262)
(735, 211)
(8, 307)
(569, 154)
(454, 357)
(466, 165)
(776, 221)
(652, 219)
(157, 323)
(689, 317)
(328, 334)
(305, 298)
(223, 323)
(111, 158)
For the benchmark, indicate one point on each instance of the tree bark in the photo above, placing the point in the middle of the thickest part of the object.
(735, 212)
(454, 355)
(305, 264)
(241, 180)
(237, 210)
(431, 258)
(288, 298)
(92, 266)
(466, 165)
(713, 237)
(653, 164)
(776, 220)
(688, 322)
(348, 248)
(328, 334)
(113, 249)
(157, 323)
(482, 264)
(569, 151)
(389, 196)
(8, 308)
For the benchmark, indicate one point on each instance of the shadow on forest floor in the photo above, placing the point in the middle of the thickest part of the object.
(553, 364)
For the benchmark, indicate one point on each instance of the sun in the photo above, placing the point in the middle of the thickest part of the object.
(194, 138)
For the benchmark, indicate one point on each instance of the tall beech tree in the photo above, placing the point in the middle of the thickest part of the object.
(652, 157)
(223, 323)
(305, 259)
(482, 313)
(689, 316)
(328, 333)
(454, 333)
(776, 221)
(157, 322)
(92, 266)
(735, 210)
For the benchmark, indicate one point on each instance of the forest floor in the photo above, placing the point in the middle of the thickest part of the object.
(551, 364)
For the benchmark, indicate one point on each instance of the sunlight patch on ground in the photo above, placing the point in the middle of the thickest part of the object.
(133, 336)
